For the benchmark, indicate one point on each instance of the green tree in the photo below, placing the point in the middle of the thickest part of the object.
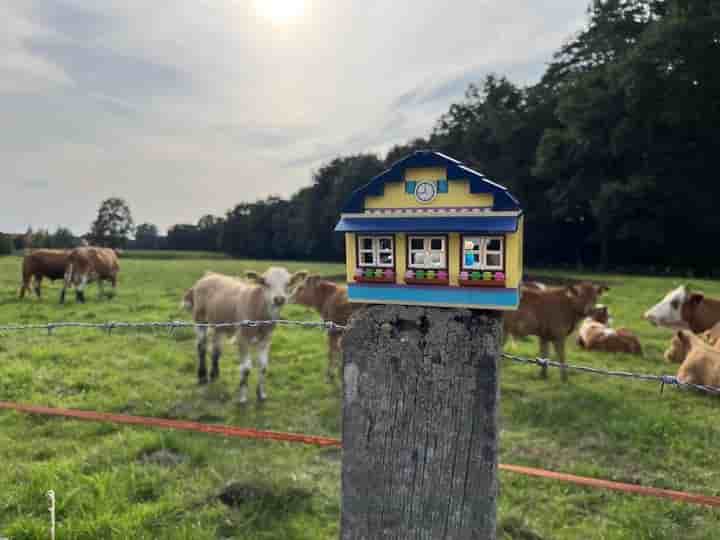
(113, 224)
(6, 244)
(146, 236)
(63, 238)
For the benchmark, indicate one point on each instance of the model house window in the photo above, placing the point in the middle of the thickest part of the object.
(428, 252)
(376, 251)
(483, 252)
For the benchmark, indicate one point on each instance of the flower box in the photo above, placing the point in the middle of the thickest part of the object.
(482, 283)
(376, 279)
(426, 281)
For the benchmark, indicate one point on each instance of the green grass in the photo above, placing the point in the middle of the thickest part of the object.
(111, 482)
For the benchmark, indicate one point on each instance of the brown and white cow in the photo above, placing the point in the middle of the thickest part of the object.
(217, 298)
(682, 308)
(552, 314)
(330, 300)
(699, 363)
(596, 334)
(88, 264)
(42, 263)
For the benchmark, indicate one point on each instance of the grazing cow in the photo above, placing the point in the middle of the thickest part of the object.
(330, 300)
(683, 309)
(42, 263)
(596, 334)
(88, 264)
(551, 314)
(217, 298)
(699, 363)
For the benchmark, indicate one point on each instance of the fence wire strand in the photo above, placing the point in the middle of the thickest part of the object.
(172, 326)
(670, 380)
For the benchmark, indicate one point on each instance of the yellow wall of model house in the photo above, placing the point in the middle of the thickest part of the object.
(513, 257)
(400, 258)
(350, 256)
(394, 195)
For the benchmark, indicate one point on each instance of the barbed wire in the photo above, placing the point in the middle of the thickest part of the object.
(109, 326)
(670, 380)
(171, 325)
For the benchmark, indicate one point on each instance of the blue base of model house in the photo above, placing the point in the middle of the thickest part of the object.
(419, 295)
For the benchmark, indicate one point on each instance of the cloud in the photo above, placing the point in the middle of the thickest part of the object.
(187, 108)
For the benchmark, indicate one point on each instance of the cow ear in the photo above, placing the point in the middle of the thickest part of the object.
(257, 278)
(683, 337)
(573, 290)
(297, 278)
(696, 298)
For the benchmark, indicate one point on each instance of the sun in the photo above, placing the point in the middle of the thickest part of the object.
(279, 10)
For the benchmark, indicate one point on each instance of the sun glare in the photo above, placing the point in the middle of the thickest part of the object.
(279, 10)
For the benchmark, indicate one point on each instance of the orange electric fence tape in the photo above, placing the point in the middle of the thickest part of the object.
(230, 431)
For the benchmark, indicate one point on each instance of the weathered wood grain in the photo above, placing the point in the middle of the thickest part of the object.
(420, 424)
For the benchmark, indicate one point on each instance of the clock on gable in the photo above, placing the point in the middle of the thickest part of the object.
(425, 192)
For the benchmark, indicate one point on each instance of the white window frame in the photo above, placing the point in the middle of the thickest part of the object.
(376, 251)
(428, 251)
(484, 252)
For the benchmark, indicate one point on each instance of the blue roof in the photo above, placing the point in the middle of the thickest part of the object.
(502, 199)
(469, 224)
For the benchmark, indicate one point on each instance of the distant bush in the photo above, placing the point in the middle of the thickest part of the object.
(6, 245)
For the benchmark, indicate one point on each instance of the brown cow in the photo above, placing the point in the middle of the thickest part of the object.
(330, 300)
(40, 263)
(700, 364)
(596, 334)
(551, 314)
(88, 264)
(685, 309)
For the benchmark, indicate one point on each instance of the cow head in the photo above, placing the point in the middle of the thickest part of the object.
(673, 310)
(278, 285)
(584, 295)
(306, 292)
(600, 313)
(679, 348)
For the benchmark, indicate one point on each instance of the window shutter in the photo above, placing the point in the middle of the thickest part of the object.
(442, 186)
(410, 187)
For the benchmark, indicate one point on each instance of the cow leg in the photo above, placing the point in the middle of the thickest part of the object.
(559, 344)
(80, 290)
(544, 353)
(333, 355)
(245, 366)
(201, 350)
(263, 361)
(216, 353)
(113, 283)
(38, 283)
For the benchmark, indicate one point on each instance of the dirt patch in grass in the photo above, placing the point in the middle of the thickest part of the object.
(163, 458)
(239, 493)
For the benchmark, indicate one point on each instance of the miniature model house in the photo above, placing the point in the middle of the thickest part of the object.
(430, 231)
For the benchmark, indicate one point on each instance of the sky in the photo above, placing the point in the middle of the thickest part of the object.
(186, 108)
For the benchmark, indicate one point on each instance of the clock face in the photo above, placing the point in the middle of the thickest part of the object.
(425, 192)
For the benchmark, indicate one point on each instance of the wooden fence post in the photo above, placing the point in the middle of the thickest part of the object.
(420, 424)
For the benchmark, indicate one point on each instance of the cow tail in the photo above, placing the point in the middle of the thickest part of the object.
(188, 300)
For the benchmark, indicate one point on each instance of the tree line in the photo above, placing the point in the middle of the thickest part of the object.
(611, 154)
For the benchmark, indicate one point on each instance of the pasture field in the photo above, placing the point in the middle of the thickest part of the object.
(142, 483)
